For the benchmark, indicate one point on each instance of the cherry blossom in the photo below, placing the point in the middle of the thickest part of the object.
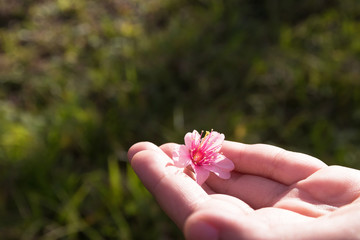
(204, 156)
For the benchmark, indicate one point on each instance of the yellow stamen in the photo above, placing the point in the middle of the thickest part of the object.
(203, 139)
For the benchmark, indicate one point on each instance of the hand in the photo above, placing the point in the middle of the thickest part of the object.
(272, 194)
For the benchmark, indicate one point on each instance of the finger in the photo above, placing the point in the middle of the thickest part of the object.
(230, 201)
(211, 224)
(267, 223)
(341, 224)
(255, 190)
(168, 148)
(176, 192)
(271, 162)
(138, 147)
(334, 185)
(258, 192)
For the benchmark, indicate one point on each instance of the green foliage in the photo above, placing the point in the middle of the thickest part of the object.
(81, 81)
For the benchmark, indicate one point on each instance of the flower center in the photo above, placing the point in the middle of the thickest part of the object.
(198, 156)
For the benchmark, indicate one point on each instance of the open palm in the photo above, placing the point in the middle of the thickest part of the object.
(272, 193)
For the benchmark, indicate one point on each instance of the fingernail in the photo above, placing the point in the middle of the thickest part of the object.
(202, 231)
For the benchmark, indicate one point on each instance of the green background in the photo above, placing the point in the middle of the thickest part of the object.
(81, 81)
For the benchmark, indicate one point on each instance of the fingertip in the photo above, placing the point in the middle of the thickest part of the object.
(140, 146)
(150, 166)
(168, 148)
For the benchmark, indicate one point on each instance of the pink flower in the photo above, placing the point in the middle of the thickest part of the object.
(203, 155)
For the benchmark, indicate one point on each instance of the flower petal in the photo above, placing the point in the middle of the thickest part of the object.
(201, 174)
(224, 163)
(188, 139)
(220, 172)
(181, 156)
(192, 138)
(216, 138)
(213, 142)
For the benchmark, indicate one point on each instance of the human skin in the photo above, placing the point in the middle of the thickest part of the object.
(272, 194)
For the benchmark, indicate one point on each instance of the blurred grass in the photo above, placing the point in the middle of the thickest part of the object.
(81, 81)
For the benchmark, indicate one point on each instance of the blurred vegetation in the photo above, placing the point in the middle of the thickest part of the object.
(81, 81)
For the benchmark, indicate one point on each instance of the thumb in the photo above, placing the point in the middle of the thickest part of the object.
(211, 224)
